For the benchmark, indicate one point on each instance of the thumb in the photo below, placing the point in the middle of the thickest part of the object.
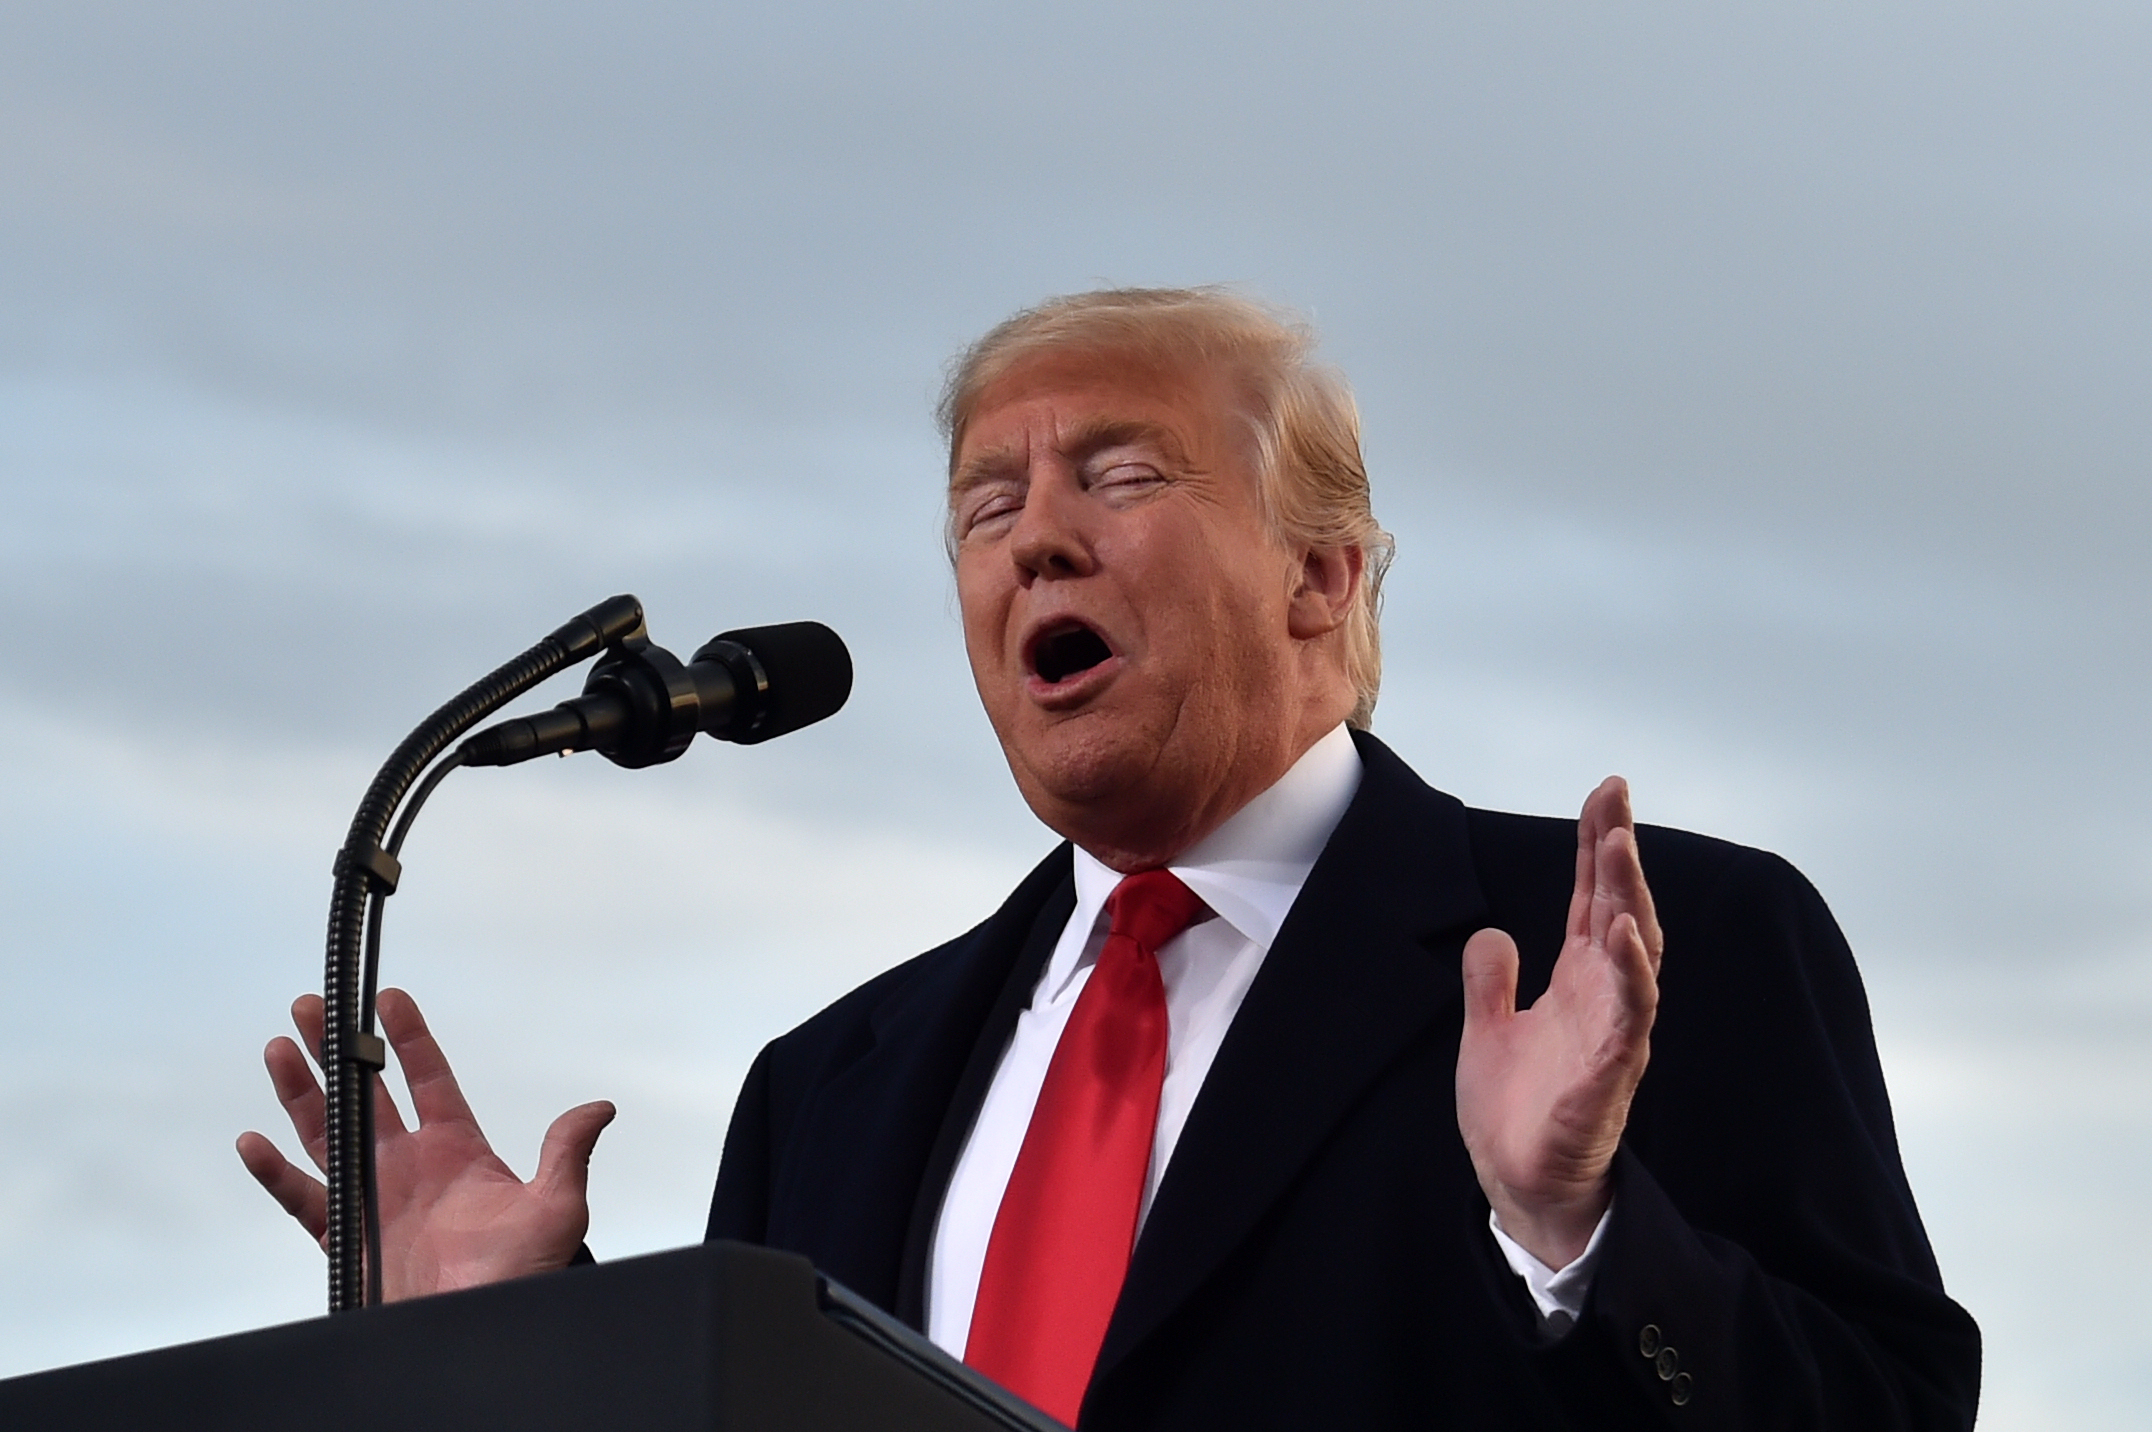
(564, 1157)
(1490, 968)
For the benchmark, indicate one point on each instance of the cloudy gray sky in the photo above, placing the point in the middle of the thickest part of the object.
(1758, 394)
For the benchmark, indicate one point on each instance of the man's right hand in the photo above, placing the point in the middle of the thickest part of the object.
(452, 1214)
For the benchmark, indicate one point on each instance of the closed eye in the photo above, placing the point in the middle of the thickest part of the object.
(1125, 479)
(989, 508)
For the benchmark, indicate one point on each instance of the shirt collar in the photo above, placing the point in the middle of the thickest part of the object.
(1250, 869)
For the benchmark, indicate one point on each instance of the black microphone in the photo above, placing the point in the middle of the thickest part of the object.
(642, 706)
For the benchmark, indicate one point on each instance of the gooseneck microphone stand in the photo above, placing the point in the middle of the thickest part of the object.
(366, 873)
(642, 706)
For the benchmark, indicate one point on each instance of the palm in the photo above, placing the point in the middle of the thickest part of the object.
(453, 1215)
(1543, 1093)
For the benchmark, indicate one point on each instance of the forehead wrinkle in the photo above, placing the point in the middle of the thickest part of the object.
(1094, 435)
(1083, 440)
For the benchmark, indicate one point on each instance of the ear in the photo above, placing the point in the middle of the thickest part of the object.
(1329, 581)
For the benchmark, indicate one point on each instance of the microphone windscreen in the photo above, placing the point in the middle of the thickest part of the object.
(809, 670)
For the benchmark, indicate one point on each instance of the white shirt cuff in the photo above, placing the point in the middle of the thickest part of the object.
(1553, 1290)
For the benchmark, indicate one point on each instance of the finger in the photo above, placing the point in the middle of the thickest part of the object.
(1622, 890)
(564, 1157)
(293, 1079)
(1490, 971)
(306, 1013)
(302, 1197)
(1629, 872)
(1580, 894)
(1638, 987)
(1606, 807)
(388, 1119)
(436, 1098)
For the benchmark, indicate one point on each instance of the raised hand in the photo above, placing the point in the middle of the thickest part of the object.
(452, 1214)
(1543, 1093)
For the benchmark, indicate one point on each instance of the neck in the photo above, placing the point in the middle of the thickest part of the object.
(1151, 829)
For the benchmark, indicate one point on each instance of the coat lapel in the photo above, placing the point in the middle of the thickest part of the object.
(962, 1107)
(860, 1162)
(1365, 961)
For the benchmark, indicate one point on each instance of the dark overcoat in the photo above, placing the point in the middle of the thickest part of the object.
(1318, 1252)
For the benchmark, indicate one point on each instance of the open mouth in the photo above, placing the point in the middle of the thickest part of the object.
(1066, 652)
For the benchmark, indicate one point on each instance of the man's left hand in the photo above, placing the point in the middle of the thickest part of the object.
(1543, 1093)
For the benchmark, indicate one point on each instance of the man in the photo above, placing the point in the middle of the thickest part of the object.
(1229, 1115)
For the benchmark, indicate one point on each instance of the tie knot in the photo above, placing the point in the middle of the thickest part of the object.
(1151, 907)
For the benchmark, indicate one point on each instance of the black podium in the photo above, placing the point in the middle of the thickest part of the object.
(720, 1338)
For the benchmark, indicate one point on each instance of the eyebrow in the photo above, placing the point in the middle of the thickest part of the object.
(1085, 440)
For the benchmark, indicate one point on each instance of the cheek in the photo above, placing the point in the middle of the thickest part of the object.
(982, 605)
(1240, 588)
(1243, 624)
(985, 611)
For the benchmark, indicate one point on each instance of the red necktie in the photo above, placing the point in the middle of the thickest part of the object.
(1067, 1224)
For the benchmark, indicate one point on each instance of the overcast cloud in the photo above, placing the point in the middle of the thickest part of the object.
(1759, 398)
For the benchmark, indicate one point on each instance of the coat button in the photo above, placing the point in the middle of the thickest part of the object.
(1682, 1389)
(1648, 1341)
(1666, 1364)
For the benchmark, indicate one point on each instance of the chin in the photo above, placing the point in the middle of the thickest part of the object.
(1081, 765)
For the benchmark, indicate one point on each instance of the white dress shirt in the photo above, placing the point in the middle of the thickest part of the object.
(1248, 872)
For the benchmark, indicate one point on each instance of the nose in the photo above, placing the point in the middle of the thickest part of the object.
(1051, 538)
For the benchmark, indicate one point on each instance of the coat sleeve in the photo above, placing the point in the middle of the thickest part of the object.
(1765, 1266)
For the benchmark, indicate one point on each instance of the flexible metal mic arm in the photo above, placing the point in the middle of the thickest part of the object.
(642, 706)
(366, 874)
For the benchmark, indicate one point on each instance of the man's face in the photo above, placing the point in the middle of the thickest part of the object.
(1125, 607)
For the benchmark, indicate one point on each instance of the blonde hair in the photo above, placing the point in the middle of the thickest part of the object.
(1311, 478)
